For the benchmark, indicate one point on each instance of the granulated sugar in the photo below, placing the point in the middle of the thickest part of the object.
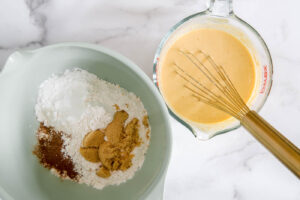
(78, 102)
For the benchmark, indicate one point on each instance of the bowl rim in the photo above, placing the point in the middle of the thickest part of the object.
(161, 175)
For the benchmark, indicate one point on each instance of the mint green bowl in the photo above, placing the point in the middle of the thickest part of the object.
(21, 176)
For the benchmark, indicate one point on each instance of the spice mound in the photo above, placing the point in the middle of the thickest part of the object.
(50, 155)
(91, 131)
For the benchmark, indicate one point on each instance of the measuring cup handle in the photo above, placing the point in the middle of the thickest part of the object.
(221, 8)
(273, 140)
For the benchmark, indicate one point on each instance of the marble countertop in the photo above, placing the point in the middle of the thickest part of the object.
(230, 166)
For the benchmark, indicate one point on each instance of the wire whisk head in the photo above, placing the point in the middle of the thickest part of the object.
(215, 88)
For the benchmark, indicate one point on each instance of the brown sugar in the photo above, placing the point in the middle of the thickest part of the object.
(49, 152)
(90, 154)
(115, 152)
(117, 107)
(103, 172)
(148, 134)
(146, 124)
(146, 121)
(93, 139)
(114, 129)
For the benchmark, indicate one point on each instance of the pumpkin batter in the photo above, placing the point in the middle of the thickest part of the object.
(226, 50)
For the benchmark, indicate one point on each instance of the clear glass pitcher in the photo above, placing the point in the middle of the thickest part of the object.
(220, 15)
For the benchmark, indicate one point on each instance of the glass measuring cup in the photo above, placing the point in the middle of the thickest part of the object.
(220, 16)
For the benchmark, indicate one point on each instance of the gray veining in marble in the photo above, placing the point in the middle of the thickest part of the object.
(231, 166)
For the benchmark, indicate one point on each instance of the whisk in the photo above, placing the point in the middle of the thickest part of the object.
(222, 95)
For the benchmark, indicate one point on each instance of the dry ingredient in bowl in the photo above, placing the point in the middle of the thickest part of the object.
(91, 131)
(114, 152)
(49, 152)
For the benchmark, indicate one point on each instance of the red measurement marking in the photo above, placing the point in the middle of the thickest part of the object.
(157, 60)
(265, 77)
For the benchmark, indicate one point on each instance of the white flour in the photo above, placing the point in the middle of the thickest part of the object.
(78, 102)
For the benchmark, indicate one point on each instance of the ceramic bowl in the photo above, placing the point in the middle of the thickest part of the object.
(21, 175)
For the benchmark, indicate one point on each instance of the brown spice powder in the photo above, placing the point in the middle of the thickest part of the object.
(49, 152)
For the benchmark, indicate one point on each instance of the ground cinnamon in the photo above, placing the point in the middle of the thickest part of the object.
(49, 152)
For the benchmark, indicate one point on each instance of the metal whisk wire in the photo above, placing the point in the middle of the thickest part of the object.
(228, 100)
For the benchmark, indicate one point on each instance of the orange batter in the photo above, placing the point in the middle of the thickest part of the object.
(226, 50)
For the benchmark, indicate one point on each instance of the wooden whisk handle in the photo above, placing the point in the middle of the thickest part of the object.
(273, 140)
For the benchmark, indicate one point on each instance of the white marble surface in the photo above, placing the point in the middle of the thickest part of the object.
(231, 166)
